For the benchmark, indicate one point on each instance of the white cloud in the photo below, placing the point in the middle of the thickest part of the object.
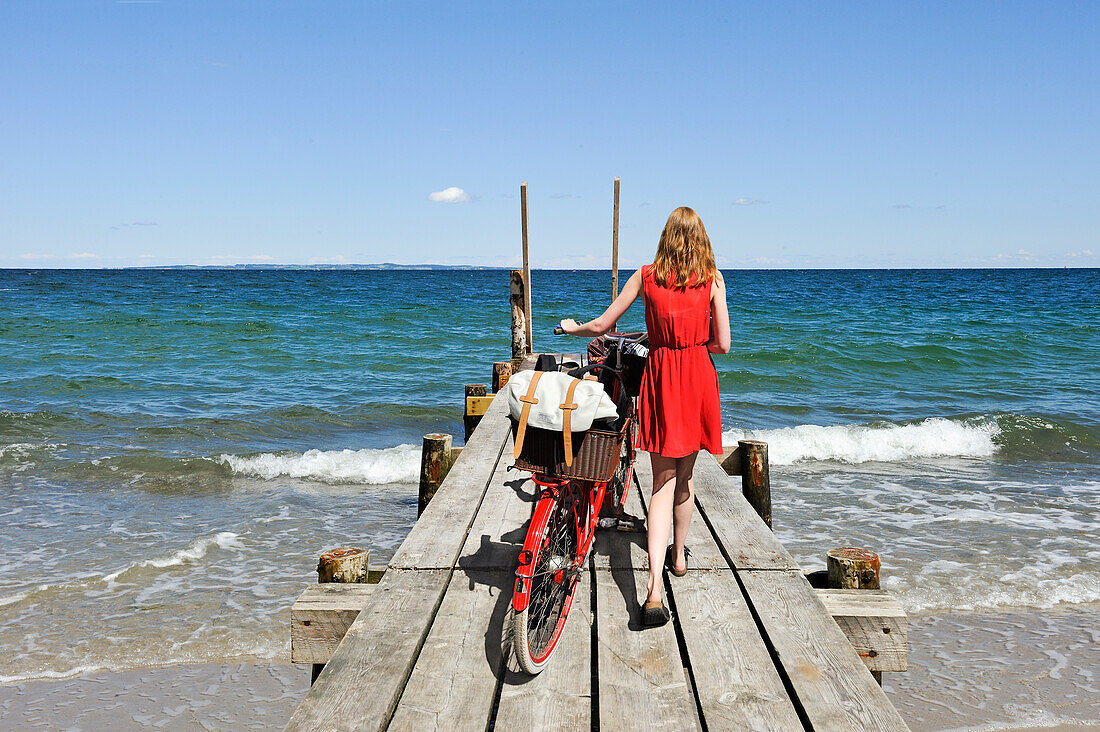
(450, 195)
(748, 202)
(338, 259)
(84, 255)
(1082, 253)
(116, 227)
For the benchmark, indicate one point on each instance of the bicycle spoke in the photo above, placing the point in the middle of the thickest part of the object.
(556, 559)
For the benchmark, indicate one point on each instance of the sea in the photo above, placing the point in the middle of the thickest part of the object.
(178, 446)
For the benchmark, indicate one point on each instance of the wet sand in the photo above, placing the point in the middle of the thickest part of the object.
(967, 671)
(1014, 670)
(240, 696)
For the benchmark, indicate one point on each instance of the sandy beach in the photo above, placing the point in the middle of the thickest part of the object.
(967, 671)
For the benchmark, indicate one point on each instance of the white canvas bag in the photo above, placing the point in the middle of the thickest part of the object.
(552, 400)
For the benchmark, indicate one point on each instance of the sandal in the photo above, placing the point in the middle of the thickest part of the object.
(655, 613)
(670, 561)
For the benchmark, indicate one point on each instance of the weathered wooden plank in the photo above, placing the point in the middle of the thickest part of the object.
(834, 688)
(623, 549)
(745, 539)
(437, 537)
(364, 678)
(736, 681)
(730, 460)
(476, 405)
(705, 553)
(875, 624)
(320, 618)
(559, 698)
(642, 684)
(455, 678)
(500, 526)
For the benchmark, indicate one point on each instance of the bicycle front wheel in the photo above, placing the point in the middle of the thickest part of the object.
(554, 575)
(619, 485)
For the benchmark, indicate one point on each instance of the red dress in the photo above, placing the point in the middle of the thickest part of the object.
(679, 411)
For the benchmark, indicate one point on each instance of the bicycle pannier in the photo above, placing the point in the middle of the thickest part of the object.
(552, 400)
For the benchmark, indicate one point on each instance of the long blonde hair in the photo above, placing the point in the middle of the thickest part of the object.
(684, 250)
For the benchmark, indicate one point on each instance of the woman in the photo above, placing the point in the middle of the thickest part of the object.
(678, 410)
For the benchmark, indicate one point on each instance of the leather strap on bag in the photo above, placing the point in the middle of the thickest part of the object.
(528, 399)
(566, 430)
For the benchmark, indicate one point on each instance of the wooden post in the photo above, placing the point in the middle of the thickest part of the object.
(615, 247)
(519, 317)
(435, 461)
(755, 478)
(502, 371)
(347, 565)
(850, 568)
(853, 569)
(526, 269)
(471, 421)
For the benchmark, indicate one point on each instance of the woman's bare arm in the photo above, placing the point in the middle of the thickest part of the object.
(719, 318)
(605, 322)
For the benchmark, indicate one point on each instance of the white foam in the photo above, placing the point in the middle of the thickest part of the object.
(984, 593)
(22, 449)
(12, 599)
(50, 674)
(283, 515)
(933, 437)
(400, 464)
(192, 552)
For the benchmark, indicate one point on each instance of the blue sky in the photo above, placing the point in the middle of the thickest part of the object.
(806, 135)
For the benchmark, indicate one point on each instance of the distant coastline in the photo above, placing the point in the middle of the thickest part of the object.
(390, 266)
(379, 266)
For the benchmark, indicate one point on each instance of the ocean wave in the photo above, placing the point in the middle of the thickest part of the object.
(193, 552)
(932, 591)
(880, 442)
(399, 464)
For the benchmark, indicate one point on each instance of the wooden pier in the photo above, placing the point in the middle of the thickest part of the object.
(752, 645)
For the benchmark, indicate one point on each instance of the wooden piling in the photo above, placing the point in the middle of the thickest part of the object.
(615, 247)
(850, 568)
(853, 569)
(346, 565)
(435, 461)
(502, 371)
(519, 317)
(526, 270)
(755, 477)
(470, 419)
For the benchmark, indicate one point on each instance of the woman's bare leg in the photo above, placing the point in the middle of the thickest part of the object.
(659, 519)
(683, 506)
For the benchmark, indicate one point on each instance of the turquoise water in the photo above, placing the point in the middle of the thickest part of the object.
(176, 447)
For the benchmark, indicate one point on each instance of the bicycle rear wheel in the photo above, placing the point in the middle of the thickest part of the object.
(541, 602)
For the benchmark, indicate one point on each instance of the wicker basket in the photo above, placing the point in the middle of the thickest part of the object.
(595, 453)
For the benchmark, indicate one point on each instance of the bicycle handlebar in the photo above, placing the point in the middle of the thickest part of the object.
(622, 338)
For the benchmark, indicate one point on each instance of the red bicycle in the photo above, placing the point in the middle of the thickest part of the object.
(566, 515)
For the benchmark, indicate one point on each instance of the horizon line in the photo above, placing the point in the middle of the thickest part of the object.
(428, 266)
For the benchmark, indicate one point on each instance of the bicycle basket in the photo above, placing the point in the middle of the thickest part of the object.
(595, 452)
